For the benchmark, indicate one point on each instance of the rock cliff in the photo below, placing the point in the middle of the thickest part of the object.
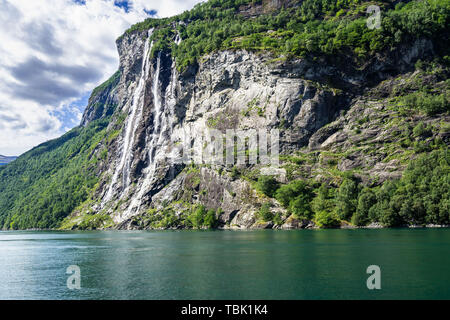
(243, 114)
(312, 103)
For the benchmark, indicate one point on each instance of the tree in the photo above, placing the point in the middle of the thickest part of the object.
(267, 185)
(366, 200)
(301, 207)
(285, 194)
(325, 219)
(323, 200)
(210, 220)
(265, 213)
(296, 197)
(346, 199)
(197, 216)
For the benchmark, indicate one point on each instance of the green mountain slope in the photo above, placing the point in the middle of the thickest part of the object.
(49, 183)
(299, 28)
(46, 184)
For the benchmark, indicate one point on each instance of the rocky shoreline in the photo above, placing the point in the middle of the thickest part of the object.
(268, 226)
(293, 225)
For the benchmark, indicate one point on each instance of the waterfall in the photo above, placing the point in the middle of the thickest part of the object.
(131, 125)
(158, 108)
(178, 39)
(153, 143)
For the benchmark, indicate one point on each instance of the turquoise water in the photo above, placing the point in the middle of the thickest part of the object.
(328, 264)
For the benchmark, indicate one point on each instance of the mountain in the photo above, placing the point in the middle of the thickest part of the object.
(5, 160)
(361, 115)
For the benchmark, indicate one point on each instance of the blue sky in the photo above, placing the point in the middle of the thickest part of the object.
(125, 5)
(53, 54)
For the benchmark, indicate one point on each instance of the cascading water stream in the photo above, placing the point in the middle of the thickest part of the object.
(158, 109)
(178, 39)
(130, 126)
(158, 130)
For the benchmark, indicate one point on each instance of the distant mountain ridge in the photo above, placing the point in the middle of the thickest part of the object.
(4, 160)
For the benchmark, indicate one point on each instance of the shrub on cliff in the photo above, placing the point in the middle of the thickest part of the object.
(265, 213)
(210, 219)
(267, 185)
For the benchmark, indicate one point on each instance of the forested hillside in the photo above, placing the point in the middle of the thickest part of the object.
(369, 108)
(299, 28)
(46, 184)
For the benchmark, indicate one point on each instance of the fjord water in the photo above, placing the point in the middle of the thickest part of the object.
(328, 264)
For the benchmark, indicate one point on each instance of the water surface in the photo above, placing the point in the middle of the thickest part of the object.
(328, 264)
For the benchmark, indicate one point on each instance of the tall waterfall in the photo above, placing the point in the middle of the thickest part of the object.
(159, 127)
(135, 113)
(158, 109)
(178, 39)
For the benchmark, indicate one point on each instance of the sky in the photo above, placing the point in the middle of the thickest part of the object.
(53, 53)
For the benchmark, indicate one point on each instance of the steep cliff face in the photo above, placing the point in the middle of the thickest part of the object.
(157, 107)
(102, 102)
(228, 90)
(359, 117)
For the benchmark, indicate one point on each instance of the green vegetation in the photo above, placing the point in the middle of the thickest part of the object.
(235, 174)
(254, 105)
(108, 83)
(46, 184)
(367, 199)
(346, 199)
(326, 27)
(421, 130)
(429, 103)
(202, 218)
(265, 213)
(42, 188)
(325, 219)
(268, 185)
(296, 197)
(212, 122)
(420, 197)
(158, 219)
(193, 216)
(88, 222)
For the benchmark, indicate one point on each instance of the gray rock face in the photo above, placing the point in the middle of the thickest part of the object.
(102, 103)
(155, 107)
(292, 224)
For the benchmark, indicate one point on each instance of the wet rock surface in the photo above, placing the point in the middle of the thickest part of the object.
(154, 108)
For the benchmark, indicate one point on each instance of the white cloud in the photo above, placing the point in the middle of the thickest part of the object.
(53, 52)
